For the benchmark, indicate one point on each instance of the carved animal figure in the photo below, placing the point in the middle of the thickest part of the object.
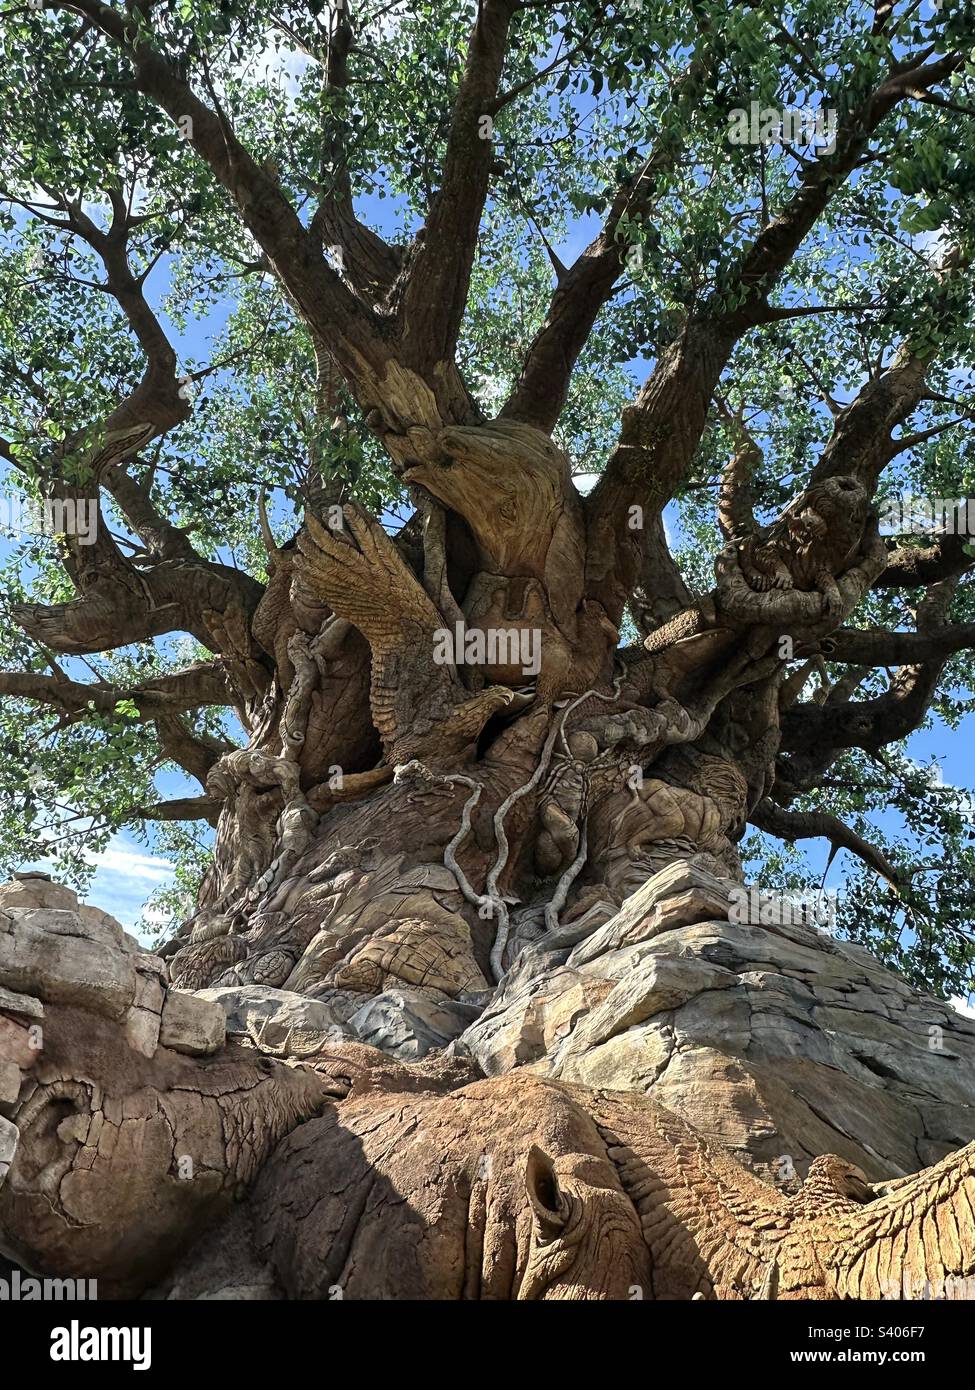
(365, 581)
(815, 540)
(394, 1182)
(122, 1159)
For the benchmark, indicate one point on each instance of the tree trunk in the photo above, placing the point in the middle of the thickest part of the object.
(429, 878)
(531, 771)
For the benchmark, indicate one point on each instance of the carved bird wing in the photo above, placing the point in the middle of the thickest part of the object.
(917, 1241)
(712, 1228)
(359, 573)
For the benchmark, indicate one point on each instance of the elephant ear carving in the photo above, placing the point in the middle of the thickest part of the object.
(712, 1229)
(548, 1202)
(917, 1241)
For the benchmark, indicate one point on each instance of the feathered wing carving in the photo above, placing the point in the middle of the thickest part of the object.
(711, 1227)
(916, 1241)
(715, 1230)
(419, 707)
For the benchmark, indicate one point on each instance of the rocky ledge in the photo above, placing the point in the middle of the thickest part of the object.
(778, 1041)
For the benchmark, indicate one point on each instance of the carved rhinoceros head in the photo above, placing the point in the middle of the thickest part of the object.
(501, 1189)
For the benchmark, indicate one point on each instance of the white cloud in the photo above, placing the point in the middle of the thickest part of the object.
(932, 244)
(125, 876)
(962, 1006)
(119, 858)
(392, 20)
(280, 67)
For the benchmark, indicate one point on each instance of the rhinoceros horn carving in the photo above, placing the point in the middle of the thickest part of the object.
(153, 1153)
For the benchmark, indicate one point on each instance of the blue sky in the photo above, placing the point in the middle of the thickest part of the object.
(128, 873)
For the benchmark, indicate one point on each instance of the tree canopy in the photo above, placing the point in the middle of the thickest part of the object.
(253, 251)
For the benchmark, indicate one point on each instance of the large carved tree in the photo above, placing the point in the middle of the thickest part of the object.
(427, 400)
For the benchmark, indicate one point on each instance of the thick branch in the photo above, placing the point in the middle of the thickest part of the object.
(912, 566)
(194, 753)
(815, 732)
(761, 266)
(661, 591)
(662, 429)
(880, 648)
(169, 694)
(329, 306)
(438, 277)
(812, 825)
(543, 386)
(157, 398)
(122, 604)
(369, 263)
(182, 808)
(162, 540)
(736, 503)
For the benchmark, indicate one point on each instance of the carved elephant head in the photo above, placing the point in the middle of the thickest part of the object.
(128, 1121)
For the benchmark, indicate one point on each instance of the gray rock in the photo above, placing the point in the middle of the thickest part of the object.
(680, 893)
(279, 1021)
(191, 1024)
(63, 967)
(88, 924)
(407, 1024)
(779, 1041)
(9, 1137)
(532, 1021)
(23, 1004)
(10, 1076)
(37, 890)
(630, 1061)
(656, 985)
(104, 923)
(142, 1024)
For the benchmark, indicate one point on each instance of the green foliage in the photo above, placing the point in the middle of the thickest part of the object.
(74, 126)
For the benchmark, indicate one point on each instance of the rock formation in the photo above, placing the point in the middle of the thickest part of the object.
(240, 1143)
(778, 1041)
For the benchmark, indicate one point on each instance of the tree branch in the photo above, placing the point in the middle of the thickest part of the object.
(543, 385)
(814, 825)
(876, 647)
(736, 502)
(181, 808)
(662, 428)
(122, 605)
(368, 261)
(332, 311)
(912, 566)
(438, 275)
(162, 695)
(194, 753)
